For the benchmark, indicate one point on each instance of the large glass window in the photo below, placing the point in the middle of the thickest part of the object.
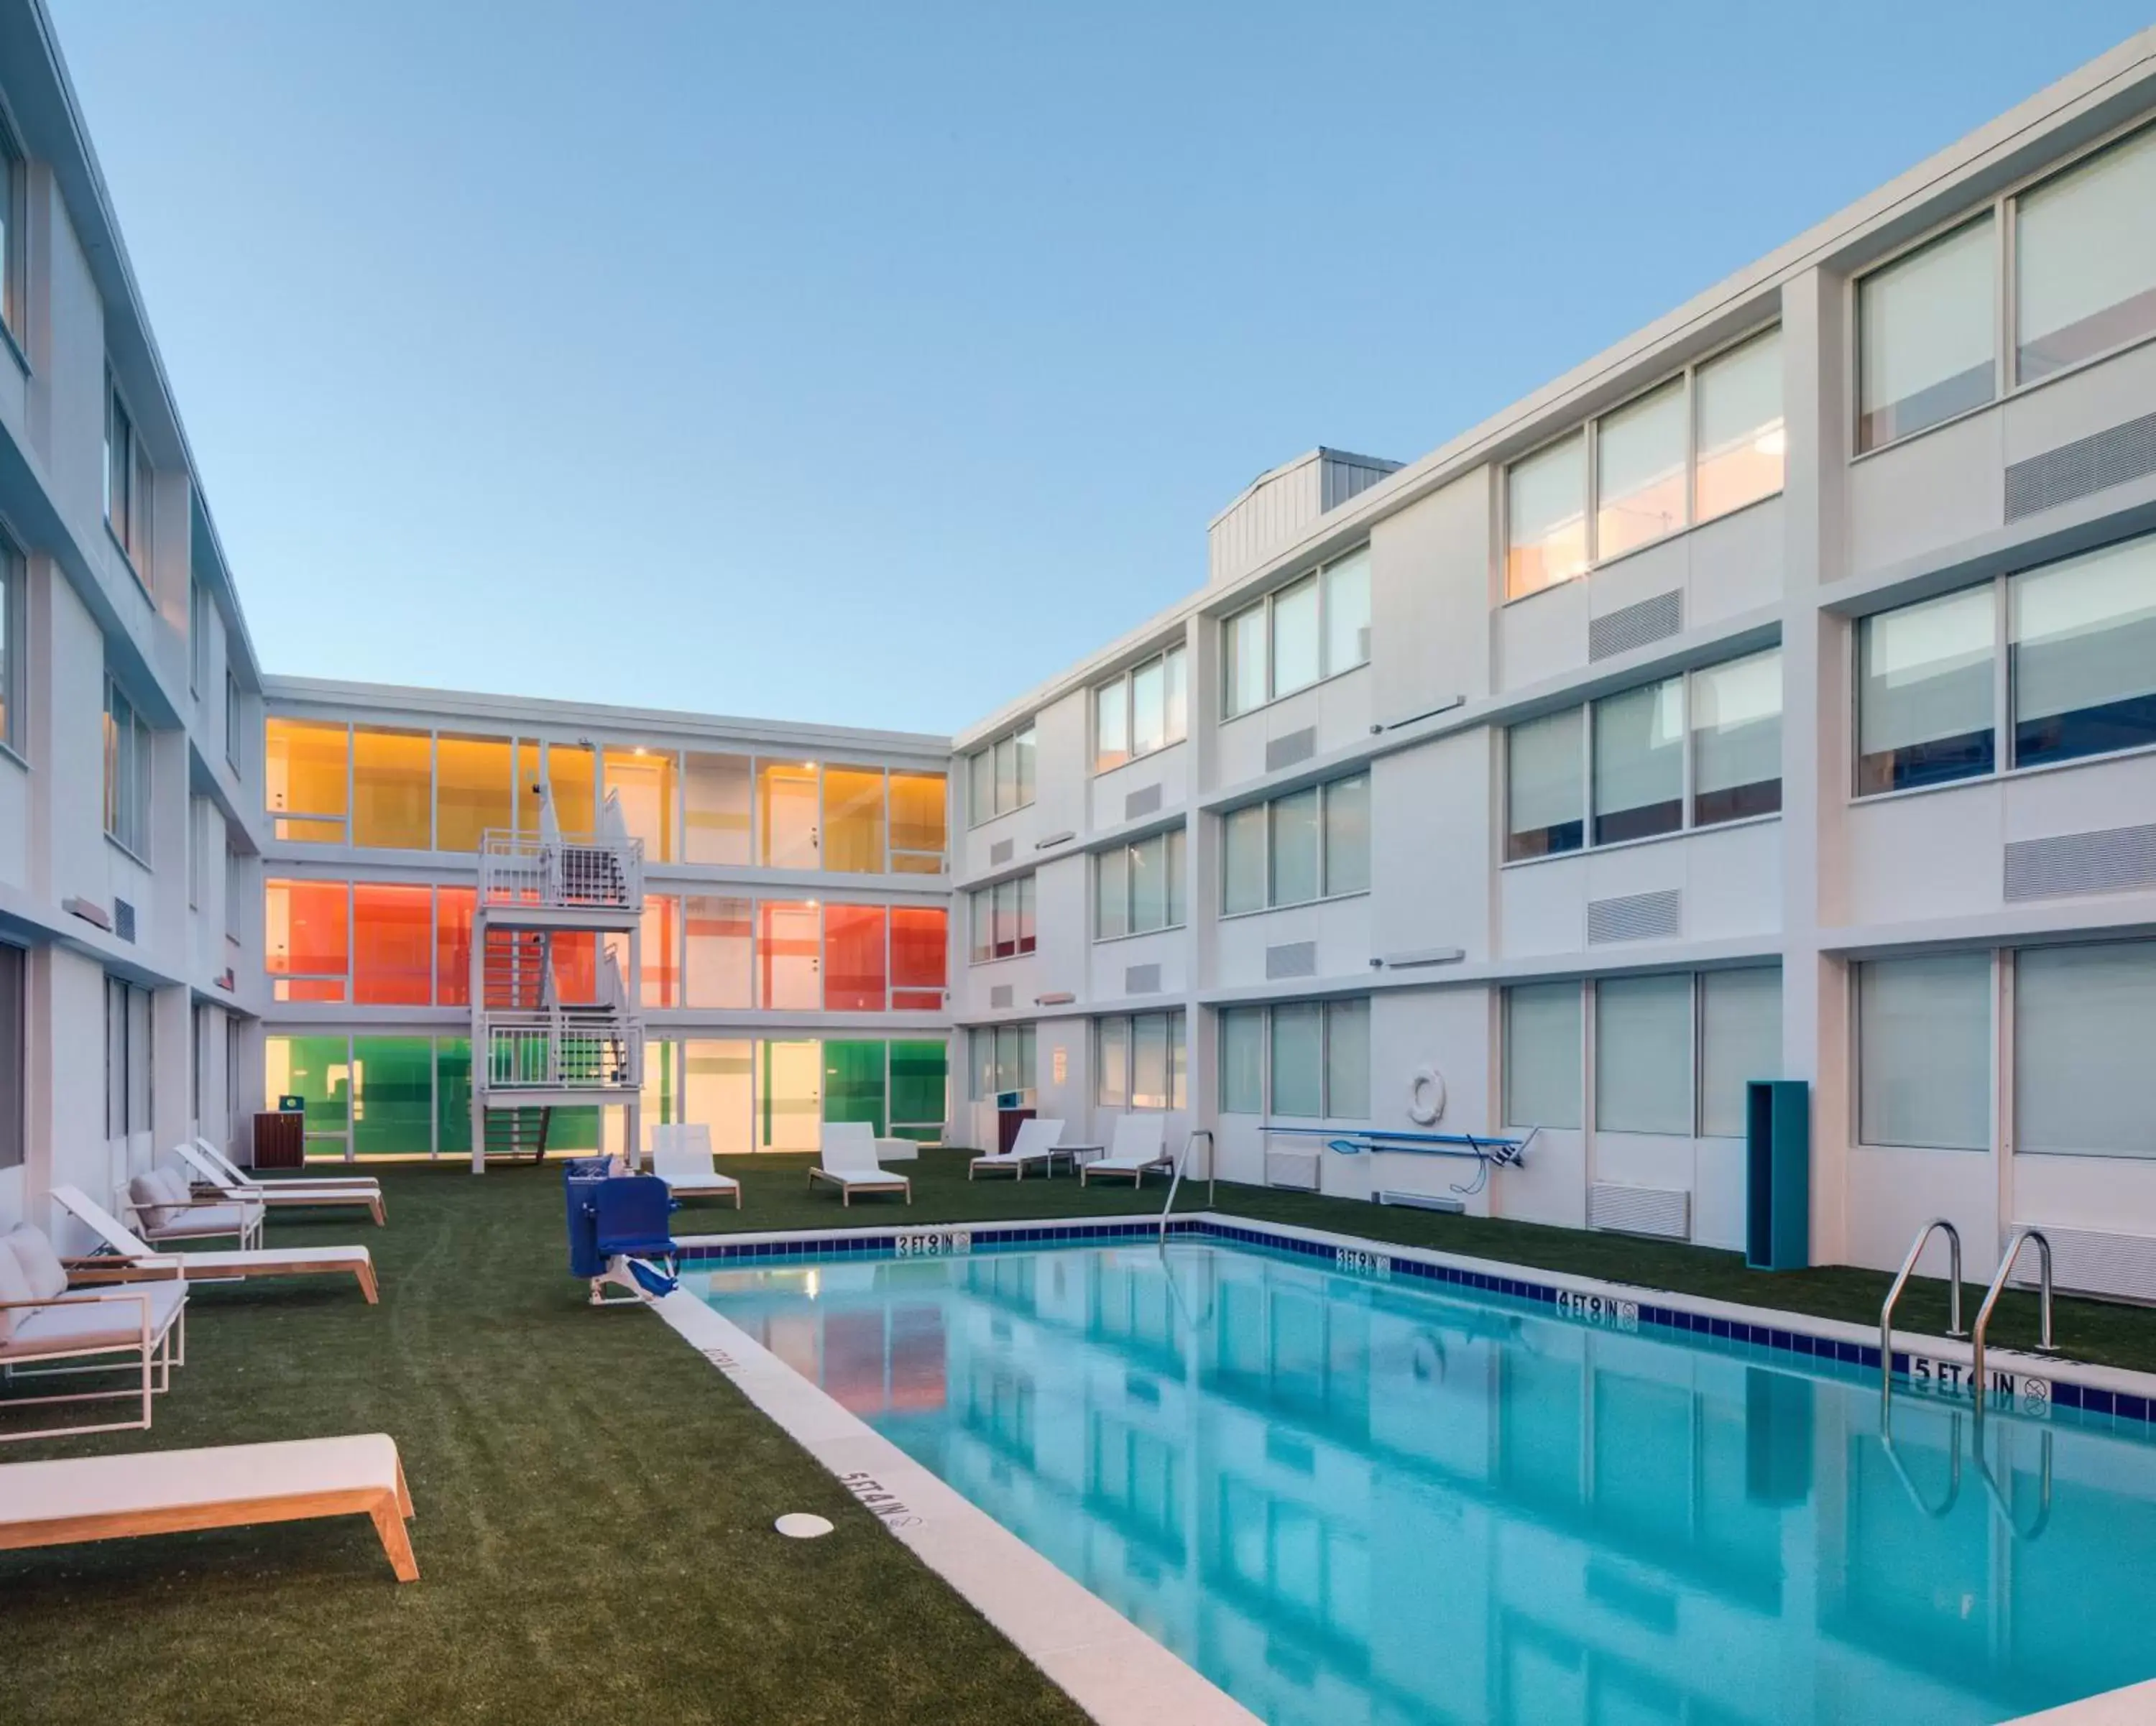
(1739, 444)
(1000, 777)
(715, 808)
(854, 820)
(1140, 712)
(1112, 1063)
(1923, 1054)
(788, 802)
(1298, 1060)
(789, 954)
(474, 785)
(127, 483)
(392, 945)
(920, 1088)
(11, 644)
(718, 1089)
(1296, 847)
(1002, 1061)
(1740, 1039)
(1347, 1060)
(919, 827)
(572, 780)
(1296, 650)
(1927, 330)
(1347, 836)
(1348, 612)
(127, 772)
(1640, 762)
(2084, 1023)
(1303, 1060)
(1643, 1054)
(2082, 646)
(1243, 682)
(920, 953)
(856, 975)
(1546, 518)
(1640, 471)
(661, 942)
(2085, 259)
(1316, 626)
(1243, 859)
(1138, 1061)
(14, 1093)
(1542, 1055)
(11, 203)
(306, 945)
(392, 789)
(717, 964)
(453, 906)
(1924, 709)
(1736, 739)
(1003, 919)
(392, 1096)
(1546, 783)
(305, 778)
(642, 782)
(1309, 844)
(1243, 1060)
(1137, 888)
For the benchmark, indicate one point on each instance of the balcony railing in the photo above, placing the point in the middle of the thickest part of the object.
(598, 1049)
(602, 871)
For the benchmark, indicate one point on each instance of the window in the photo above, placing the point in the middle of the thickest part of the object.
(715, 808)
(2085, 259)
(1636, 746)
(13, 1071)
(234, 713)
(199, 607)
(1139, 1062)
(788, 806)
(1301, 1060)
(1137, 888)
(856, 958)
(1740, 1039)
(643, 783)
(1002, 1061)
(12, 658)
(1003, 919)
(2084, 1021)
(1643, 1055)
(1546, 518)
(718, 971)
(306, 773)
(1738, 443)
(1923, 1051)
(1308, 845)
(1140, 712)
(474, 790)
(12, 201)
(1000, 777)
(127, 484)
(2081, 654)
(1542, 1055)
(129, 1059)
(919, 825)
(1925, 711)
(1926, 325)
(392, 945)
(1313, 628)
(127, 773)
(920, 951)
(392, 789)
(1640, 471)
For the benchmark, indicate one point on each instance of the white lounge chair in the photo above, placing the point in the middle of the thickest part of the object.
(45, 1322)
(847, 1161)
(681, 1157)
(279, 1194)
(1137, 1148)
(1035, 1144)
(57, 1504)
(160, 1207)
(238, 1176)
(127, 1259)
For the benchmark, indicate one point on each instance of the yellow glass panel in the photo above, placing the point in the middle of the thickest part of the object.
(572, 777)
(472, 790)
(303, 771)
(917, 805)
(529, 773)
(853, 819)
(644, 781)
(392, 789)
(787, 813)
(324, 832)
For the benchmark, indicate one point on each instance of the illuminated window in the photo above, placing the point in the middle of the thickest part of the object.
(786, 805)
(452, 934)
(1640, 471)
(660, 943)
(1138, 1061)
(718, 973)
(1739, 443)
(306, 779)
(789, 955)
(392, 939)
(716, 791)
(1140, 712)
(718, 1093)
(1926, 339)
(2085, 278)
(1003, 919)
(128, 484)
(306, 938)
(1000, 777)
(920, 834)
(572, 780)
(856, 975)
(1546, 518)
(392, 789)
(1316, 627)
(127, 773)
(576, 967)
(642, 783)
(920, 952)
(852, 820)
(472, 790)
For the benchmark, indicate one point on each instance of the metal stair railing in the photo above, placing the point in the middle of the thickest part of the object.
(1893, 1294)
(1176, 1180)
(2044, 1342)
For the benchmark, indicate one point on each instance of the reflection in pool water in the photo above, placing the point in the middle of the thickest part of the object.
(1346, 1501)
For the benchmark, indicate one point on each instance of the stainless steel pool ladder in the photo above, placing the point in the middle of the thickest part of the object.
(1168, 1209)
(2044, 1342)
(1901, 1282)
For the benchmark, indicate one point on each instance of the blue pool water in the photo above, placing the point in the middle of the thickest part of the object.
(1348, 1500)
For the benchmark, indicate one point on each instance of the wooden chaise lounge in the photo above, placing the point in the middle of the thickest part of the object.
(76, 1499)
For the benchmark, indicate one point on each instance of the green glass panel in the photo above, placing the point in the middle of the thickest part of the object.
(919, 1072)
(318, 1069)
(853, 1082)
(573, 1129)
(452, 1095)
(392, 1095)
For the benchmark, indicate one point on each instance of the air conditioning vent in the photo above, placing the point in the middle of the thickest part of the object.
(1664, 1212)
(2109, 860)
(1291, 959)
(123, 919)
(1142, 980)
(1634, 626)
(1295, 1169)
(2089, 1263)
(1296, 746)
(1142, 802)
(1635, 917)
(1002, 851)
(2078, 469)
(1000, 994)
(1421, 1200)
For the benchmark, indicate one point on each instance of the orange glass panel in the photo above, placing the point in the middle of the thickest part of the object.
(660, 950)
(303, 771)
(305, 933)
(920, 948)
(472, 790)
(319, 832)
(576, 967)
(392, 939)
(854, 960)
(573, 775)
(643, 781)
(392, 784)
(788, 955)
(917, 822)
(853, 819)
(453, 934)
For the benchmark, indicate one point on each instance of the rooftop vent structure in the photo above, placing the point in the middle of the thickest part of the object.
(1276, 509)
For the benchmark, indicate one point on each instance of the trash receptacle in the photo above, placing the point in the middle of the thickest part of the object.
(580, 1179)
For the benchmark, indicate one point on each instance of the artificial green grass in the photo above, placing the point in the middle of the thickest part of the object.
(594, 1530)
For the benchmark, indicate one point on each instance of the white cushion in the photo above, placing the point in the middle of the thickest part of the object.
(47, 1275)
(151, 1202)
(207, 1219)
(80, 1323)
(14, 1286)
(173, 1186)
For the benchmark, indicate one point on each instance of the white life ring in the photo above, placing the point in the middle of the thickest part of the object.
(1426, 1097)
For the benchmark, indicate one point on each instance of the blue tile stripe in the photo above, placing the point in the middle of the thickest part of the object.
(989, 1237)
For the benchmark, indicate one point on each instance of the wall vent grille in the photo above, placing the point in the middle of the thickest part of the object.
(1291, 959)
(1635, 917)
(1142, 980)
(1296, 746)
(123, 919)
(2090, 1262)
(1297, 1170)
(1144, 801)
(1665, 1212)
(2084, 466)
(2109, 860)
(1634, 626)
(1002, 851)
(1421, 1200)
(1000, 994)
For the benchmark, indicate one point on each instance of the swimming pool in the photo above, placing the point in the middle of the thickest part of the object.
(1344, 1498)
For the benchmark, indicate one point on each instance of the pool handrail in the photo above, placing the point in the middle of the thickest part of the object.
(1901, 1282)
(2044, 1342)
(1175, 1179)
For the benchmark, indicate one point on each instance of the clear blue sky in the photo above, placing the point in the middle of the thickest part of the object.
(869, 364)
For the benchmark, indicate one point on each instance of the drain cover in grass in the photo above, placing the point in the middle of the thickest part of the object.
(800, 1525)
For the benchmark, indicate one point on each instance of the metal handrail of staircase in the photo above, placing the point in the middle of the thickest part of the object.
(1901, 1282)
(2044, 1342)
(1181, 1162)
